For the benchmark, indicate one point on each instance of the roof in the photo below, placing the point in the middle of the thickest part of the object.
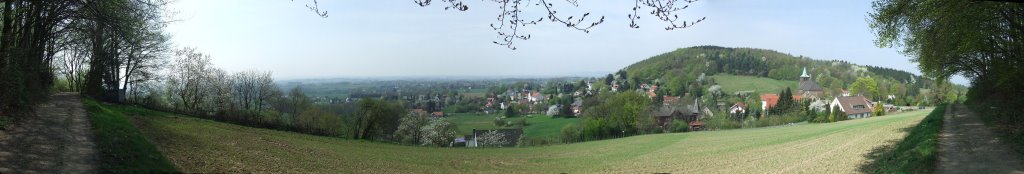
(666, 111)
(437, 114)
(773, 99)
(697, 123)
(805, 73)
(670, 99)
(848, 104)
(740, 104)
(810, 85)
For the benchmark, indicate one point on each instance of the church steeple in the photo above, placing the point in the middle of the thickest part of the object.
(804, 76)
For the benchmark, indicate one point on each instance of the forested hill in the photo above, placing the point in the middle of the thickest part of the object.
(680, 69)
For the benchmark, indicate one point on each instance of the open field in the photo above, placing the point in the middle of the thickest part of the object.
(733, 83)
(538, 126)
(198, 145)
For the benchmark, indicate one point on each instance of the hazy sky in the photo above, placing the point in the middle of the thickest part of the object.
(389, 38)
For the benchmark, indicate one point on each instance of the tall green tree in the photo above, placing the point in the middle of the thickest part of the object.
(981, 40)
(865, 86)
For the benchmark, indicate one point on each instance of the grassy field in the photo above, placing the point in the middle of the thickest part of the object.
(732, 83)
(198, 145)
(916, 153)
(123, 148)
(538, 126)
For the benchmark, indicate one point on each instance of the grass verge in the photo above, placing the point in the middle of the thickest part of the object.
(917, 153)
(123, 149)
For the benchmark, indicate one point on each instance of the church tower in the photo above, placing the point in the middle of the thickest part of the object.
(804, 77)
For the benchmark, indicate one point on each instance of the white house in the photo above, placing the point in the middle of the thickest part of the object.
(853, 106)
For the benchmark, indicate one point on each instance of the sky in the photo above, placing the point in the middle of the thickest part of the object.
(397, 38)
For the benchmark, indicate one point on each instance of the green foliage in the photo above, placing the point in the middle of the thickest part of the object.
(916, 153)
(122, 147)
(375, 118)
(879, 110)
(521, 122)
(513, 110)
(866, 86)
(570, 133)
(408, 131)
(500, 122)
(623, 113)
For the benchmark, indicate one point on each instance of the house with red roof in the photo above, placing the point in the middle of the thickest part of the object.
(769, 100)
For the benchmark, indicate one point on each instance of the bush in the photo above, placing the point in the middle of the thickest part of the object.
(521, 122)
(438, 132)
(498, 121)
(679, 126)
(570, 133)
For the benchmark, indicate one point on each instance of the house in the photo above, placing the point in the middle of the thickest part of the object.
(738, 108)
(808, 87)
(437, 114)
(769, 100)
(577, 107)
(490, 102)
(651, 92)
(666, 114)
(501, 138)
(854, 106)
(535, 97)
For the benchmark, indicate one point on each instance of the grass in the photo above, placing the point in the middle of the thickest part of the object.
(467, 122)
(917, 153)
(198, 145)
(733, 83)
(123, 148)
(538, 126)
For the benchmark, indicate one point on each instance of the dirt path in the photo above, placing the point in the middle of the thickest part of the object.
(966, 145)
(57, 140)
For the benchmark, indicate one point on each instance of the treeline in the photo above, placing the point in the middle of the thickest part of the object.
(193, 86)
(116, 51)
(99, 47)
(681, 71)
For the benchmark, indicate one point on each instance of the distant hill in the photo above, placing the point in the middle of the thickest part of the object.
(681, 70)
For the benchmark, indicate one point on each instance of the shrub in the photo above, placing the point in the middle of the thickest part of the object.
(679, 126)
(438, 132)
(521, 122)
(499, 122)
(570, 133)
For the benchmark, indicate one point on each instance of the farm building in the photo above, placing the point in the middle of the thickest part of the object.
(853, 106)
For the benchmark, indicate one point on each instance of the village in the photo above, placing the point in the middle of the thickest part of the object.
(507, 101)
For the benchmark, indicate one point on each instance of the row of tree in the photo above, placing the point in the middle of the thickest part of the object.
(102, 47)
